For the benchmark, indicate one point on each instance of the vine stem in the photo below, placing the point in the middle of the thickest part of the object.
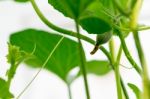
(124, 89)
(139, 48)
(111, 47)
(82, 60)
(42, 67)
(117, 74)
(144, 28)
(146, 83)
(128, 55)
(11, 73)
(116, 66)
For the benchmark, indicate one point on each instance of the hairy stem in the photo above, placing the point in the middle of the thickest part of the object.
(82, 60)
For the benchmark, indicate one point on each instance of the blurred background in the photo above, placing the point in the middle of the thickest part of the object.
(16, 16)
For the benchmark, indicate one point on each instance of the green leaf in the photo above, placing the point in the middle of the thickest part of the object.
(70, 8)
(136, 90)
(95, 19)
(65, 57)
(4, 90)
(98, 67)
(22, 1)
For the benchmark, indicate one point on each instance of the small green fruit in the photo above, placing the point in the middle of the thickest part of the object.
(101, 39)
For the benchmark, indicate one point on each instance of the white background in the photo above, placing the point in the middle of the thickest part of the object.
(16, 16)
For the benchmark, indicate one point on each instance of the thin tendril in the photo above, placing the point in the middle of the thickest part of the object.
(44, 64)
(126, 66)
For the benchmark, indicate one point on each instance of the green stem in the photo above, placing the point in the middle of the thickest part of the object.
(126, 51)
(116, 67)
(82, 60)
(146, 83)
(69, 91)
(143, 28)
(124, 89)
(111, 48)
(134, 15)
(11, 73)
(139, 48)
(117, 74)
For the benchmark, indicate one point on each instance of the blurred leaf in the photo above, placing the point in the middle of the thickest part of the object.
(4, 90)
(132, 3)
(95, 19)
(21, 1)
(70, 8)
(125, 5)
(108, 6)
(136, 90)
(62, 61)
(98, 67)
